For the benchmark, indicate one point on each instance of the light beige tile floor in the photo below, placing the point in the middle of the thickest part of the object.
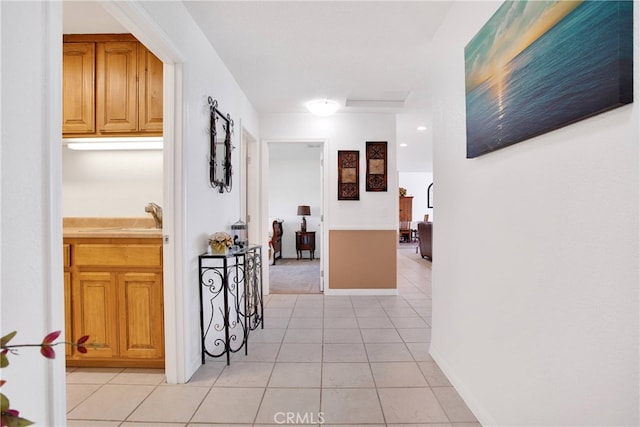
(332, 360)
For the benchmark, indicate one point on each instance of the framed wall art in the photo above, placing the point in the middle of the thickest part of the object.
(376, 156)
(536, 66)
(348, 175)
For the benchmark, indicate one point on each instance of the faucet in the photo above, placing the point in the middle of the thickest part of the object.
(156, 211)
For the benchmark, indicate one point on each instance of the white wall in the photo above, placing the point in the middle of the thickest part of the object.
(535, 274)
(416, 184)
(294, 179)
(205, 209)
(110, 183)
(345, 132)
(374, 210)
(31, 230)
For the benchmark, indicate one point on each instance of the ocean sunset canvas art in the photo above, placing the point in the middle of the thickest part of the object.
(536, 66)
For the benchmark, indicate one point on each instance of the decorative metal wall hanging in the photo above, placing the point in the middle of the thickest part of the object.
(348, 175)
(430, 196)
(220, 168)
(376, 155)
(539, 65)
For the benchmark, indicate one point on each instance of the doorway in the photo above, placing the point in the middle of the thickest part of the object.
(134, 21)
(295, 176)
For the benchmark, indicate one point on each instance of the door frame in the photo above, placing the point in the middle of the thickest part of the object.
(324, 213)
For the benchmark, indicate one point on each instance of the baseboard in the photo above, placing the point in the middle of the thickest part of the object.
(363, 292)
(483, 416)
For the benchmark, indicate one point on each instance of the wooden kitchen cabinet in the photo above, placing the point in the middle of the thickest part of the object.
(117, 87)
(78, 88)
(140, 317)
(127, 83)
(116, 297)
(150, 68)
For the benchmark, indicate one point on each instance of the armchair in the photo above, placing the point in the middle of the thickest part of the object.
(425, 237)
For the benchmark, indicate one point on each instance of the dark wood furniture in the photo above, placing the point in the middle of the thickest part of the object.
(276, 241)
(405, 217)
(306, 241)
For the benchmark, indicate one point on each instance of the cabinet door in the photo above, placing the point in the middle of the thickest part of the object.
(141, 322)
(149, 91)
(68, 330)
(78, 80)
(116, 87)
(94, 297)
(406, 208)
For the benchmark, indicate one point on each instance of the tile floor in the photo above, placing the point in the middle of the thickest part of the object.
(332, 360)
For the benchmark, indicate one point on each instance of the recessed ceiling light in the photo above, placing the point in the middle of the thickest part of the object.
(422, 128)
(322, 107)
(403, 145)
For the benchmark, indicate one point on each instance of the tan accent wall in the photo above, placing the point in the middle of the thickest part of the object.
(362, 259)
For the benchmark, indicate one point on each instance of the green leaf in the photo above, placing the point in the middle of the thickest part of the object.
(9, 420)
(22, 422)
(5, 339)
(4, 403)
(4, 360)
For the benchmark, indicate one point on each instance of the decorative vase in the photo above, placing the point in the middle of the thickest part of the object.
(219, 248)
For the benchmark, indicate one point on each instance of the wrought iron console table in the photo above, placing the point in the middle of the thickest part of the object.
(231, 303)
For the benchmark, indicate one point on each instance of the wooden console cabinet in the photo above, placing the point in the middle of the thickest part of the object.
(306, 241)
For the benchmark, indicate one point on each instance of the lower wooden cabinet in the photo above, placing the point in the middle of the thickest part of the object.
(118, 304)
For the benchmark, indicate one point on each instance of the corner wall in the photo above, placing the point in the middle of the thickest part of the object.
(535, 274)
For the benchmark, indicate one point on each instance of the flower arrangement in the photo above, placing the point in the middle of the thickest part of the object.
(220, 242)
(11, 417)
(403, 192)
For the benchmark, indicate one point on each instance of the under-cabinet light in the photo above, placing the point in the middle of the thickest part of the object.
(123, 143)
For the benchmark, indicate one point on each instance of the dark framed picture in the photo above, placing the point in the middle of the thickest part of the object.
(376, 155)
(348, 175)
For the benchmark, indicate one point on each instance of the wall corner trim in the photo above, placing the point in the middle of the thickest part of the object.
(483, 416)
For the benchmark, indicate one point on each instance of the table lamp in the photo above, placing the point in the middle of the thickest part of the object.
(304, 210)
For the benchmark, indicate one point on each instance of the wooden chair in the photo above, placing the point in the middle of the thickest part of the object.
(276, 240)
(405, 231)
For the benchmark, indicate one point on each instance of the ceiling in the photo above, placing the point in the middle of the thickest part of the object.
(371, 56)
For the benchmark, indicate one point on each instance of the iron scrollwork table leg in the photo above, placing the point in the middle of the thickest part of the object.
(225, 321)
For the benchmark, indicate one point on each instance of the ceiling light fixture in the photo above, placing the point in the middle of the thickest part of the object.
(322, 107)
(422, 128)
(403, 145)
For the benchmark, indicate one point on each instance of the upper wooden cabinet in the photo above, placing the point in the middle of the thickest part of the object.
(112, 86)
(149, 91)
(406, 208)
(78, 88)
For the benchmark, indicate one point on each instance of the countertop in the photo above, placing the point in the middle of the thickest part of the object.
(124, 228)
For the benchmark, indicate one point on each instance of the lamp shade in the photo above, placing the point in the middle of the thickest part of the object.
(304, 210)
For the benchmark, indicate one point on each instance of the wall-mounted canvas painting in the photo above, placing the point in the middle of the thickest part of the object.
(536, 66)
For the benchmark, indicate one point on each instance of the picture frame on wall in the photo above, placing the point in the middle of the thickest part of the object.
(537, 66)
(348, 175)
(376, 174)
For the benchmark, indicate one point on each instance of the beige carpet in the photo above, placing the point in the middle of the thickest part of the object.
(291, 276)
